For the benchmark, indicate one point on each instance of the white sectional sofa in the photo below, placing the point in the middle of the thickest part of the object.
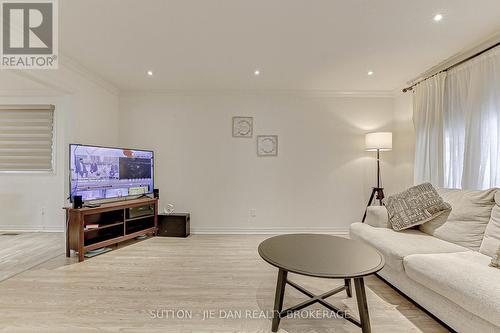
(444, 265)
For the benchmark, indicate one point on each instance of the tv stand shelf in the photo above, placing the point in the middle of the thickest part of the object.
(113, 223)
(103, 227)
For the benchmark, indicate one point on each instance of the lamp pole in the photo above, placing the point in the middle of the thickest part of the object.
(377, 192)
(377, 141)
(378, 168)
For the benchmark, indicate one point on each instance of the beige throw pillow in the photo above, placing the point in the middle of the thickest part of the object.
(416, 205)
(491, 240)
(466, 225)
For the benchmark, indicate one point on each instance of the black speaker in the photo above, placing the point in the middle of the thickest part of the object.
(173, 225)
(156, 193)
(77, 201)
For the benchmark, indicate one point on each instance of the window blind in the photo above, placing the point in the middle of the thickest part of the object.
(26, 138)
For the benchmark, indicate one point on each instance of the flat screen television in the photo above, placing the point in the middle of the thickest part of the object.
(98, 173)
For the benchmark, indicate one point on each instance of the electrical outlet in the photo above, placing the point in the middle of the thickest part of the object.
(43, 211)
(253, 212)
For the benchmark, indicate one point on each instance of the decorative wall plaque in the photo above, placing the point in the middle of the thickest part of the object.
(242, 127)
(267, 145)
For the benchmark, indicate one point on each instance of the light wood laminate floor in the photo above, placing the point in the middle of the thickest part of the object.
(22, 251)
(124, 290)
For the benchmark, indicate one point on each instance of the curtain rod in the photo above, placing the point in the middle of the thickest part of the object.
(410, 88)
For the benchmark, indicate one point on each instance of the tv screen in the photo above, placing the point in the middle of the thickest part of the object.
(105, 173)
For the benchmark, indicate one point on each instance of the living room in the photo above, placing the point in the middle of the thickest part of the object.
(266, 128)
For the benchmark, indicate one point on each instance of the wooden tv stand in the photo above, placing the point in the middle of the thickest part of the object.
(117, 222)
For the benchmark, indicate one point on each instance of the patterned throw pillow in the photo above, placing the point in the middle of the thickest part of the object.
(415, 206)
(495, 261)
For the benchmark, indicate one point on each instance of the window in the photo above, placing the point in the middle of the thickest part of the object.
(26, 138)
(457, 122)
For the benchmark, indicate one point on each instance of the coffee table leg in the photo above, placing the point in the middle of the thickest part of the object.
(278, 298)
(348, 287)
(359, 285)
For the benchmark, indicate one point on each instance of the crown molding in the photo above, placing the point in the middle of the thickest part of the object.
(55, 79)
(269, 92)
(66, 63)
(75, 67)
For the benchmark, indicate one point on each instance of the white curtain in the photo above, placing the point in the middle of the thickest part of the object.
(458, 143)
(454, 129)
(428, 105)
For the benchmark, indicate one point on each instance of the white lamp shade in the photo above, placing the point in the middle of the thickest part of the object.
(378, 141)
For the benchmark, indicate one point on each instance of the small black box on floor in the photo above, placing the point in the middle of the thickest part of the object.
(173, 225)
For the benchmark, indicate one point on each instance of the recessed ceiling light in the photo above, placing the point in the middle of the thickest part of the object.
(438, 17)
(370, 73)
(256, 72)
(150, 73)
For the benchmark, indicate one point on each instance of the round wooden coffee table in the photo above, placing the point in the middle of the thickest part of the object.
(322, 256)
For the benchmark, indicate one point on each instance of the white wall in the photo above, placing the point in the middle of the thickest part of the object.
(85, 113)
(319, 182)
(404, 141)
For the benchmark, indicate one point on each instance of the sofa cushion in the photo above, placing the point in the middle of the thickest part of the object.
(470, 214)
(495, 261)
(477, 291)
(377, 216)
(491, 240)
(396, 245)
(414, 206)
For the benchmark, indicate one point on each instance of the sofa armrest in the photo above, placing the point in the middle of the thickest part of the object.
(377, 217)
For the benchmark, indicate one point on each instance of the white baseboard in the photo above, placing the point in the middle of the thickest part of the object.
(268, 231)
(208, 230)
(30, 228)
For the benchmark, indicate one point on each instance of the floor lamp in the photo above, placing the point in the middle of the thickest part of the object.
(379, 141)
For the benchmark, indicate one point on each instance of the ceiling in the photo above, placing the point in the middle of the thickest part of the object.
(296, 44)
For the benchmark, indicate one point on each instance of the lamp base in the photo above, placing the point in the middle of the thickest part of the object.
(377, 194)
